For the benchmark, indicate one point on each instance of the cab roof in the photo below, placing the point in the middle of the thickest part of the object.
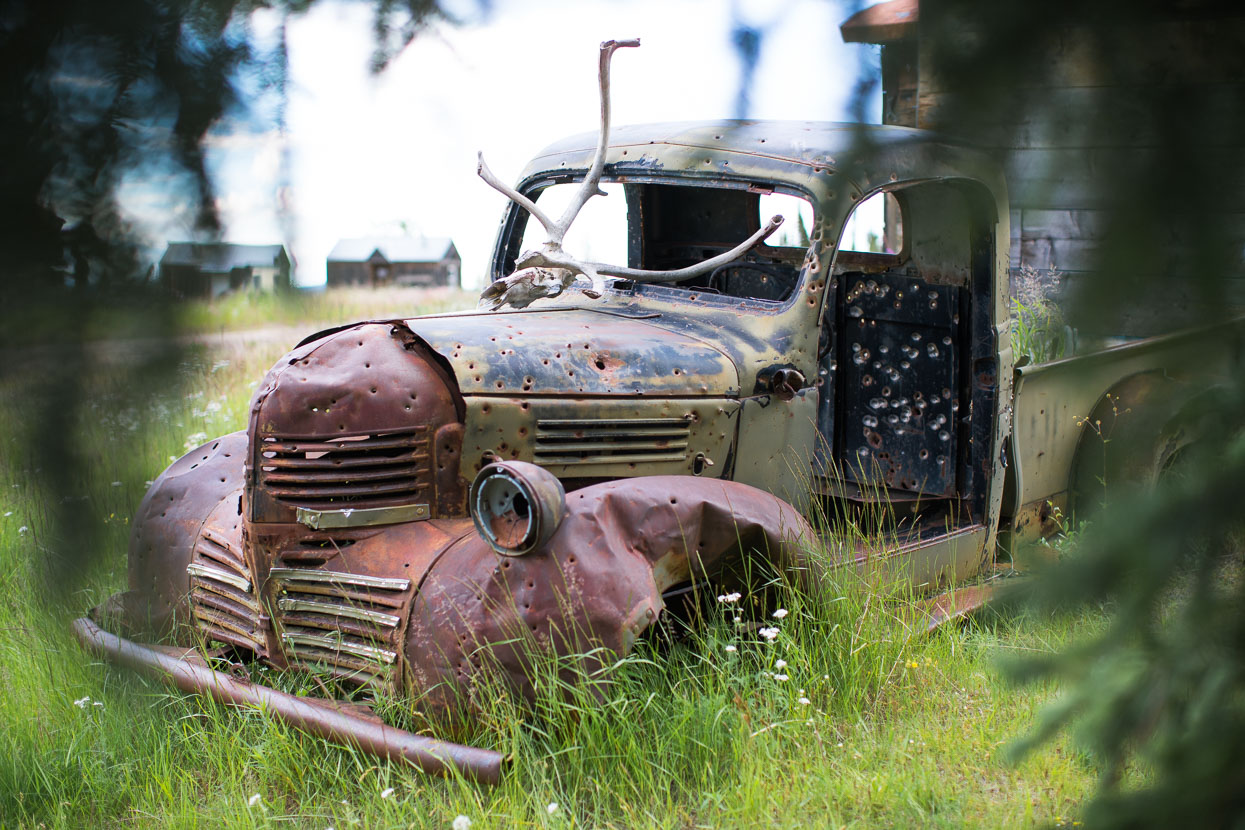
(870, 156)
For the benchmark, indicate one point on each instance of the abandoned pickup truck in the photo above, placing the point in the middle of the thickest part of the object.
(416, 503)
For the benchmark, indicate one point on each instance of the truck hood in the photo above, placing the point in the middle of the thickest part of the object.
(575, 351)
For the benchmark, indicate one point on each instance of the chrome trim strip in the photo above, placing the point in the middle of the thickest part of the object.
(339, 645)
(206, 572)
(288, 575)
(361, 517)
(334, 610)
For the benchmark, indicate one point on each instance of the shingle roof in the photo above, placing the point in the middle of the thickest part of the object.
(392, 248)
(221, 256)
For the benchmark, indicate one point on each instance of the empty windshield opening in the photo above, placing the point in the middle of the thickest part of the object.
(665, 227)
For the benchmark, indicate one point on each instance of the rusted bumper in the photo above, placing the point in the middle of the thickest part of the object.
(317, 717)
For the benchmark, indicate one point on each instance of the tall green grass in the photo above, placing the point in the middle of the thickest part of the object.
(865, 723)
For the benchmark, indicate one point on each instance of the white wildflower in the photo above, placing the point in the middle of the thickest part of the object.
(9, 513)
(385, 793)
(253, 800)
(768, 633)
(731, 649)
(99, 704)
(729, 598)
(780, 663)
(552, 808)
(82, 702)
(804, 701)
(780, 613)
(781, 678)
(461, 823)
(23, 530)
(116, 484)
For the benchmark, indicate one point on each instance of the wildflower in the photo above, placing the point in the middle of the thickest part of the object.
(804, 701)
(780, 664)
(729, 598)
(385, 793)
(9, 513)
(116, 484)
(768, 633)
(23, 530)
(98, 703)
(461, 823)
(253, 800)
(82, 702)
(731, 649)
(552, 808)
(781, 678)
(780, 613)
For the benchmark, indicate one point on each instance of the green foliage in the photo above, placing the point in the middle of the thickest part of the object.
(1039, 331)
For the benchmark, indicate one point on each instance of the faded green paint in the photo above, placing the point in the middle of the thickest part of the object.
(1054, 401)
(615, 438)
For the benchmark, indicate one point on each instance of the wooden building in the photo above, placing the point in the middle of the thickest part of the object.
(206, 271)
(1096, 103)
(402, 260)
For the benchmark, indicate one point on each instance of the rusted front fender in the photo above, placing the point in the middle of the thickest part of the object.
(594, 587)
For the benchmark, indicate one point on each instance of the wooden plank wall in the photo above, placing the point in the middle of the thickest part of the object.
(1055, 165)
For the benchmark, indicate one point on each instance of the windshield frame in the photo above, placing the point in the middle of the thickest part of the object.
(634, 294)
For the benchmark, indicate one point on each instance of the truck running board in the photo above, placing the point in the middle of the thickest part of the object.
(317, 717)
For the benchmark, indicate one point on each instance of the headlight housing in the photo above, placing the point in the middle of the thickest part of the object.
(516, 506)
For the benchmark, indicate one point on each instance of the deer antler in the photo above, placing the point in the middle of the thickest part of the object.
(550, 271)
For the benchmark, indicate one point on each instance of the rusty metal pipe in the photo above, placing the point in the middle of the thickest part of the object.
(374, 738)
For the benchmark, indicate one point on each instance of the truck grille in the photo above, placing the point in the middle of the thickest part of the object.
(346, 624)
(222, 595)
(570, 442)
(355, 471)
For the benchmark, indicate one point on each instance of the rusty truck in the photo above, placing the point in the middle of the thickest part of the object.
(415, 504)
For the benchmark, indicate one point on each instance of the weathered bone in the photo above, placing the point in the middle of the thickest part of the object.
(550, 271)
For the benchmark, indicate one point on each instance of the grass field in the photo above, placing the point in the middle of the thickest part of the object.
(873, 725)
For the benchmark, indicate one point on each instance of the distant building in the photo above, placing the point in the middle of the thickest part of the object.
(190, 269)
(401, 260)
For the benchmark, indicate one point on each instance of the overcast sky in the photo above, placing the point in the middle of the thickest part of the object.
(383, 155)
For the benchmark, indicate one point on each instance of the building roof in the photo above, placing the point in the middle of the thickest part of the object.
(882, 23)
(393, 249)
(222, 256)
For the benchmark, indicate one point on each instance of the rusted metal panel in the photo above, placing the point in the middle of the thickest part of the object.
(593, 439)
(166, 528)
(339, 599)
(575, 352)
(362, 418)
(597, 584)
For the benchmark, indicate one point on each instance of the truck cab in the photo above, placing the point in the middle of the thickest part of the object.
(852, 377)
